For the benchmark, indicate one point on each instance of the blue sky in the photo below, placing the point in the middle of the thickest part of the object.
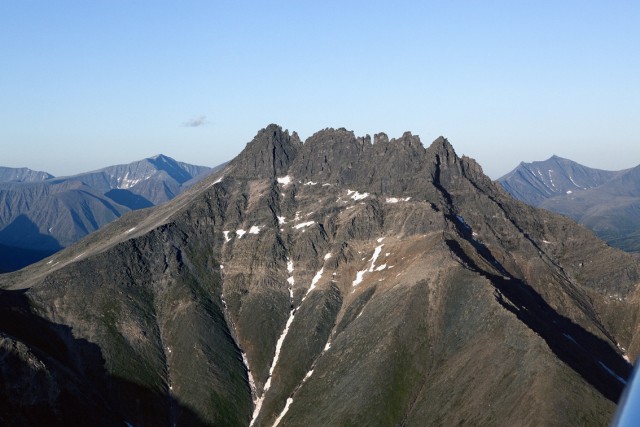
(86, 84)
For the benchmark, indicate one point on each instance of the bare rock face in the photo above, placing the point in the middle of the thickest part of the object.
(335, 282)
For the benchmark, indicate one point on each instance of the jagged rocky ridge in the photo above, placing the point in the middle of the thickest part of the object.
(335, 282)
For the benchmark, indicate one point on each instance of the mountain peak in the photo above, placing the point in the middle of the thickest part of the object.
(442, 151)
(268, 155)
(557, 158)
(161, 157)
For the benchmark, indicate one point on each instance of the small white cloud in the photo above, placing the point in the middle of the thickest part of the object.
(196, 122)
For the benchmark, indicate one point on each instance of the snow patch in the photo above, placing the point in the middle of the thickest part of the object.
(316, 278)
(284, 180)
(217, 181)
(374, 257)
(314, 281)
(380, 239)
(284, 411)
(569, 192)
(310, 183)
(240, 232)
(357, 196)
(303, 224)
(252, 383)
(359, 277)
(551, 179)
(396, 199)
(276, 356)
(125, 182)
(127, 232)
(327, 346)
(256, 408)
(381, 267)
(327, 256)
(226, 236)
(282, 220)
(255, 229)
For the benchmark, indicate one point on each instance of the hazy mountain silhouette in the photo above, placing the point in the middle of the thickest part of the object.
(37, 209)
(606, 202)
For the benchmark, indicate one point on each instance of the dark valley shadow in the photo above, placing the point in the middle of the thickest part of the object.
(50, 378)
(24, 233)
(127, 198)
(22, 244)
(13, 258)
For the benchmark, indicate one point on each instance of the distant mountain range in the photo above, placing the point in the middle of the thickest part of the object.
(607, 202)
(41, 214)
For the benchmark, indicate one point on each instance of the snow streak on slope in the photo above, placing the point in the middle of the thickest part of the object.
(292, 314)
(374, 257)
(306, 377)
(372, 267)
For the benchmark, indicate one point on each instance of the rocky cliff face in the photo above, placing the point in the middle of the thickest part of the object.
(335, 282)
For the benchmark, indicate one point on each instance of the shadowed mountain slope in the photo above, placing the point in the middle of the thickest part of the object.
(335, 282)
